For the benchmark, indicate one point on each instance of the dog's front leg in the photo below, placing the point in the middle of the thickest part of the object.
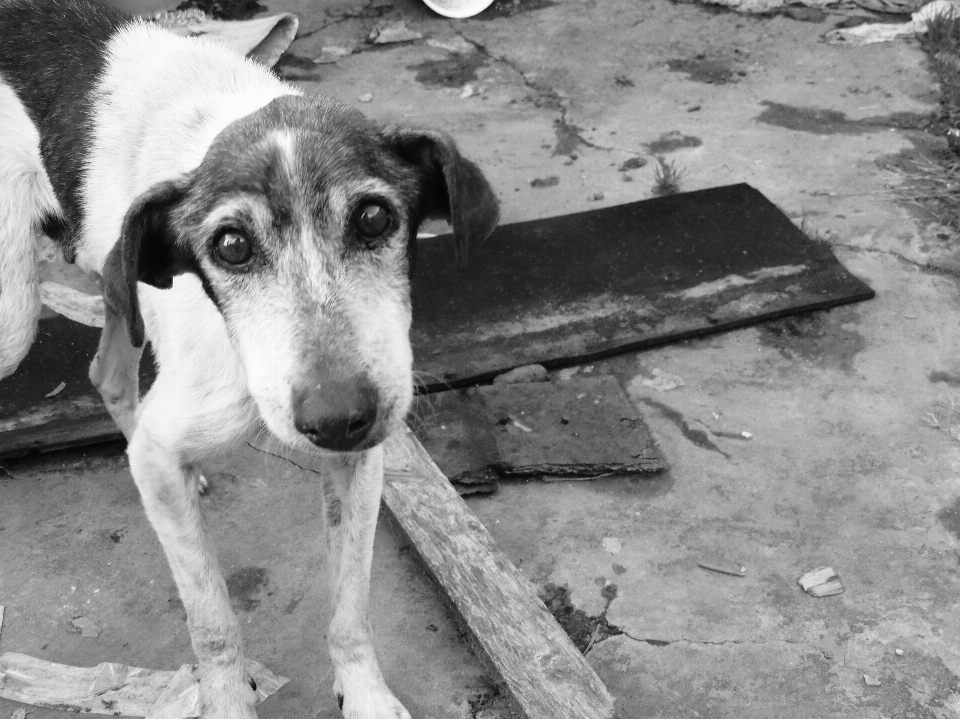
(352, 487)
(169, 493)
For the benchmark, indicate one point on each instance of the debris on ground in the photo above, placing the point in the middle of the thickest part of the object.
(540, 182)
(393, 33)
(822, 582)
(110, 688)
(584, 631)
(331, 53)
(789, 7)
(56, 390)
(88, 629)
(612, 545)
(1, 618)
(365, 97)
(661, 381)
(871, 681)
(520, 375)
(456, 45)
(870, 33)
(723, 566)
(73, 304)
(19, 714)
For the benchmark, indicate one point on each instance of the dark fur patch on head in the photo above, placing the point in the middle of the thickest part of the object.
(52, 55)
(334, 145)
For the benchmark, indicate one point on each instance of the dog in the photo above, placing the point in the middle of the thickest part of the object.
(261, 240)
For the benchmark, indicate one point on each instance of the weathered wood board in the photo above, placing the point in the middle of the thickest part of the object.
(583, 427)
(534, 658)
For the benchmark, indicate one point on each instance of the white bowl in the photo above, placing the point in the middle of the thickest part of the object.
(458, 8)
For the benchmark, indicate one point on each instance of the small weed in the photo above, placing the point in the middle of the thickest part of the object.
(666, 178)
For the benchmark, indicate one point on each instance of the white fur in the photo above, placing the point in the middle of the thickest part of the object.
(25, 196)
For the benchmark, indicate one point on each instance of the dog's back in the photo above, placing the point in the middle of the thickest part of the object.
(52, 54)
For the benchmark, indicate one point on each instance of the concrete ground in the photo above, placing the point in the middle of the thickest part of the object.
(853, 459)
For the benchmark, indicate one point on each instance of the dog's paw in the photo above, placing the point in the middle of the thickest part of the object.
(364, 695)
(227, 693)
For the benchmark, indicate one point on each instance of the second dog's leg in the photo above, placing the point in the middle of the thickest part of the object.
(165, 440)
(352, 488)
(115, 372)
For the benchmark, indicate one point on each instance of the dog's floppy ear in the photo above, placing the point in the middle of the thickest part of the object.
(147, 251)
(453, 187)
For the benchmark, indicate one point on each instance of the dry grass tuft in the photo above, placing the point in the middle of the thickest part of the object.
(666, 178)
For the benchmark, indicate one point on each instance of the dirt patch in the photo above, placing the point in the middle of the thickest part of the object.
(244, 586)
(949, 378)
(542, 182)
(225, 9)
(950, 518)
(672, 141)
(700, 68)
(454, 71)
(509, 8)
(821, 121)
(698, 436)
(818, 337)
(634, 163)
(568, 138)
(584, 631)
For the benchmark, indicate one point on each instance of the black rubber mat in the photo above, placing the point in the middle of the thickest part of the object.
(556, 292)
(576, 288)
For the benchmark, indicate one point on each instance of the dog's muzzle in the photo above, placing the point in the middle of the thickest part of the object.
(338, 415)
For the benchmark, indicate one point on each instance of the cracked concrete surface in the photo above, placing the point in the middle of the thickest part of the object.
(840, 467)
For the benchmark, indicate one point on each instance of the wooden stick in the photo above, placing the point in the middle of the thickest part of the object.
(521, 641)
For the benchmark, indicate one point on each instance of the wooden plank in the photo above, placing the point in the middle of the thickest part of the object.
(519, 638)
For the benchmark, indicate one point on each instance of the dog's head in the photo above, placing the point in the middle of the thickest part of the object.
(299, 223)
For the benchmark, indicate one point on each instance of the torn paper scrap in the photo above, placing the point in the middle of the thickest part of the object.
(871, 33)
(612, 545)
(73, 304)
(662, 381)
(111, 688)
(822, 582)
(88, 629)
(393, 32)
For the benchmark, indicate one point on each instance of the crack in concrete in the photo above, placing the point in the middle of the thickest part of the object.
(554, 100)
(724, 642)
(923, 267)
(285, 459)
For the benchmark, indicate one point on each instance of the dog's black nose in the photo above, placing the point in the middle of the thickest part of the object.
(337, 414)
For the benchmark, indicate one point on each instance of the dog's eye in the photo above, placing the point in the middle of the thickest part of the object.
(233, 248)
(371, 220)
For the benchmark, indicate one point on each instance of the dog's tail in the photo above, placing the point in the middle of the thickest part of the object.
(27, 206)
